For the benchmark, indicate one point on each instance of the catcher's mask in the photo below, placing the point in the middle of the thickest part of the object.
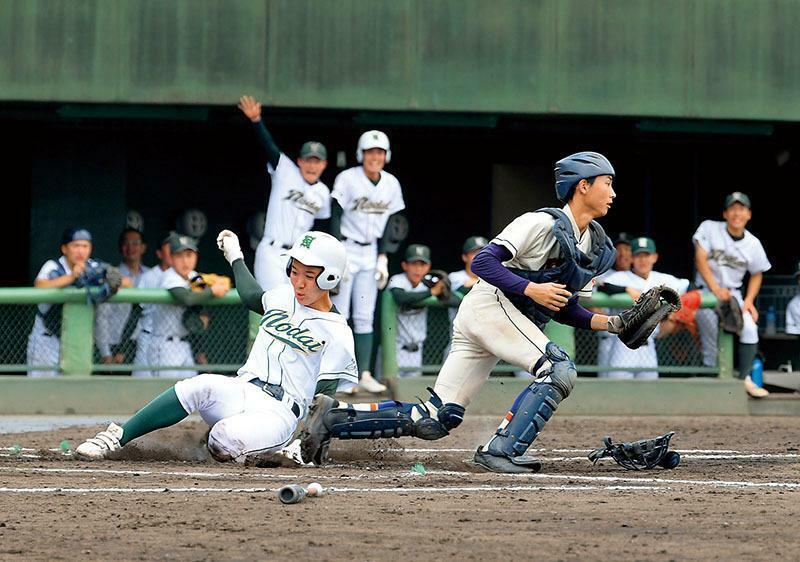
(320, 249)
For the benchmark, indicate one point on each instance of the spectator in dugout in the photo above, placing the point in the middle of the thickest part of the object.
(74, 268)
(409, 292)
(793, 309)
(636, 281)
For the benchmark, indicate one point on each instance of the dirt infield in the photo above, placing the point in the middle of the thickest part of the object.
(735, 495)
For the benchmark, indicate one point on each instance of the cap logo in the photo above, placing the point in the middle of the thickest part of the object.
(306, 242)
(313, 147)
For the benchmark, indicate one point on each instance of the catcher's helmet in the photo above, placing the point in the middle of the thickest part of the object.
(579, 166)
(320, 249)
(373, 139)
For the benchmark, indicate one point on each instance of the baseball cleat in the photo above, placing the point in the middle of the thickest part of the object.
(369, 384)
(506, 465)
(99, 446)
(753, 389)
(316, 437)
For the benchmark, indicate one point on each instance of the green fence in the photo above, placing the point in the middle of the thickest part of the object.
(678, 353)
(221, 347)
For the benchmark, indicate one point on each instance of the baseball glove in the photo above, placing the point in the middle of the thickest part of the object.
(636, 324)
(202, 281)
(433, 277)
(639, 455)
(730, 316)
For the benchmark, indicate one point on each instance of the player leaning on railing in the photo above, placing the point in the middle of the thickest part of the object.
(303, 347)
(532, 272)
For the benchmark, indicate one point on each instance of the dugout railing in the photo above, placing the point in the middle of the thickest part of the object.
(224, 344)
(679, 354)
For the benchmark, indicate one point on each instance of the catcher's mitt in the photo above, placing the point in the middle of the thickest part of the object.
(730, 316)
(639, 455)
(433, 277)
(205, 280)
(637, 323)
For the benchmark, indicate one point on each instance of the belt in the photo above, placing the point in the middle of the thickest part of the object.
(168, 338)
(357, 242)
(276, 391)
(412, 347)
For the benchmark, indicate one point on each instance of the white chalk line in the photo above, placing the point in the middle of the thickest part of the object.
(388, 490)
(411, 474)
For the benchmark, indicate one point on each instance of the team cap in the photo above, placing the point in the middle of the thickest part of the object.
(737, 197)
(643, 245)
(418, 252)
(313, 149)
(75, 233)
(181, 243)
(474, 243)
(167, 238)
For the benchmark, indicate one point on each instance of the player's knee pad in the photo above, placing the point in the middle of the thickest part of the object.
(561, 373)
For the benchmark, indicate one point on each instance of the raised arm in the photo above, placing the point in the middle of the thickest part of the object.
(250, 292)
(252, 109)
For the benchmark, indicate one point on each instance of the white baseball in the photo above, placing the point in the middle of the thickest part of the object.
(315, 490)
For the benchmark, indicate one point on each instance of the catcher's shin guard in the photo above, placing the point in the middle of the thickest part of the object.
(373, 421)
(390, 418)
(528, 416)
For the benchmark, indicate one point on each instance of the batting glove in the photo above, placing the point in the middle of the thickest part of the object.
(382, 271)
(228, 242)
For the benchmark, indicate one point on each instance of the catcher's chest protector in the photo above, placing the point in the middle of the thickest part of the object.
(576, 269)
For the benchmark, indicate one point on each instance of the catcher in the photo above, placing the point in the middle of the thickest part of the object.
(532, 272)
(415, 284)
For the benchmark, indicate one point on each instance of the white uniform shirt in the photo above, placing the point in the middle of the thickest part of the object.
(532, 244)
(110, 319)
(366, 206)
(630, 279)
(297, 346)
(293, 203)
(167, 319)
(729, 259)
(793, 316)
(49, 270)
(151, 279)
(412, 323)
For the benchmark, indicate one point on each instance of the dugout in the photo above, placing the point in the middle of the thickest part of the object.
(462, 174)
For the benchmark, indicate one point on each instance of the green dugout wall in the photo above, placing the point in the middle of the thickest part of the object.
(731, 59)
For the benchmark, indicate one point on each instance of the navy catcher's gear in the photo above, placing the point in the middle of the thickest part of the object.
(529, 414)
(575, 271)
(579, 166)
(639, 455)
(390, 419)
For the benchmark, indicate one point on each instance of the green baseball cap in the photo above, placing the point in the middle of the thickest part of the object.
(643, 245)
(737, 197)
(418, 252)
(181, 243)
(313, 149)
(474, 243)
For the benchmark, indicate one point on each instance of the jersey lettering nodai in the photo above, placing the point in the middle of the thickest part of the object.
(293, 203)
(367, 207)
(729, 259)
